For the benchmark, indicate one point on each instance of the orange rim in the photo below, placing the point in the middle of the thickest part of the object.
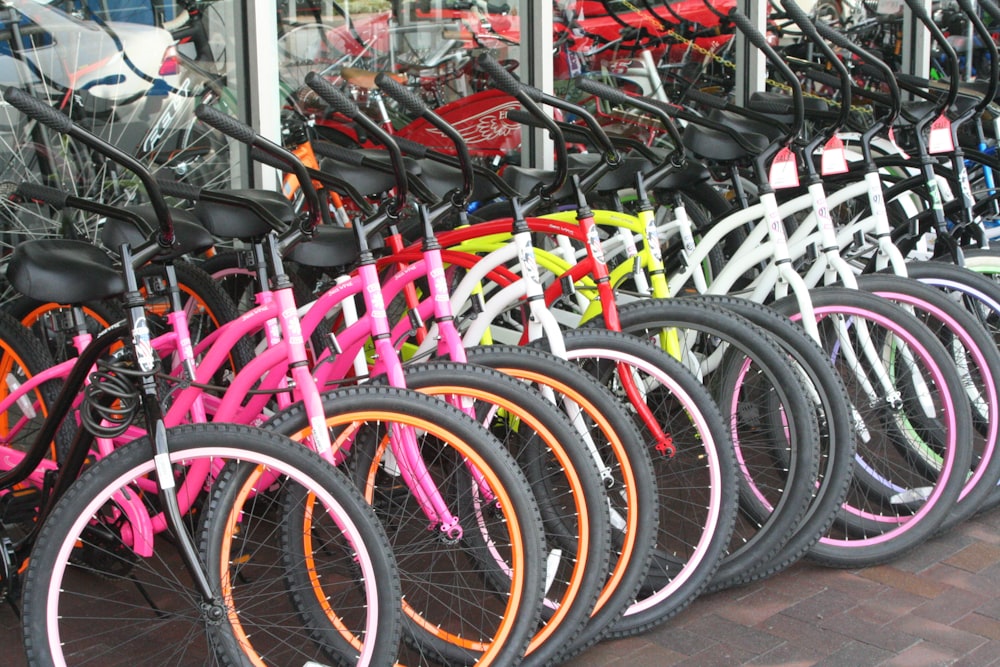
(518, 557)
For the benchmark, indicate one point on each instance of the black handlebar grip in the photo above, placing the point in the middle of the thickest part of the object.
(172, 188)
(333, 97)
(411, 148)
(610, 93)
(226, 124)
(502, 79)
(52, 196)
(749, 30)
(38, 110)
(800, 18)
(917, 7)
(825, 78)
(524, 118)
(912, 80)
(410, 101)
(706, 99)
(338, 153)
(773, 107)
(262, 156)
(835, 37)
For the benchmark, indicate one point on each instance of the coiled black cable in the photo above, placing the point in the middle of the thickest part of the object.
(111, 399)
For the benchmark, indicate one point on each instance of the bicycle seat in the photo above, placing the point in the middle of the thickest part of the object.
(329, 247)
(746, 125)
(63, 271)
(525, 179)
(915, 110)
(616, 179)
(440, 179)
(369, 180)
(715, 145)
(781, 105)
(229, 216)
(191, 236)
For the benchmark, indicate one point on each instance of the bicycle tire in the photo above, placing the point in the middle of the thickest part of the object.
(22, 356)
(771, 420)
(505, 635)
(976, 358)
(697, 484)
(626, 470)
(84, 538)
(868, 530)
(985, 262)
(564, 478)
(837, 432)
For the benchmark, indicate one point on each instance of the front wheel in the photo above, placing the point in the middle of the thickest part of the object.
(100, 586)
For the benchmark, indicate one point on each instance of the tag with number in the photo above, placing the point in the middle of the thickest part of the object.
(834, 159)
(939, 139)
(784, 170)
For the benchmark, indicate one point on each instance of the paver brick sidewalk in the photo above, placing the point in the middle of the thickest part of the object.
(938, 605)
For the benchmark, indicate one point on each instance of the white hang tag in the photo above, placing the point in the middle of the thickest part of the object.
(833, 159)
(784, 171)
(939, 138)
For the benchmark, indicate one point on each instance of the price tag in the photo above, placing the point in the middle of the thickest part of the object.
(784, 171)
(892, 138)
(939, 138)
(834, 159)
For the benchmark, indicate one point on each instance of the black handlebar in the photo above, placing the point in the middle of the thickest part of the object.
(755, 37)
(272, 154)
(342, 104)
(412, 103)
(48, 116)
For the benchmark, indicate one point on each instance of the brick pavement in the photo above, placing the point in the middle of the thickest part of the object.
(939, 605)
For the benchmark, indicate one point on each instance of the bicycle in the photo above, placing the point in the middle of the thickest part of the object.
(63, 513)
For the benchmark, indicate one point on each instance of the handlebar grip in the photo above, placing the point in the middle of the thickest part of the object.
(524, 118)
(801, 19)
(172, 188)
(35, 108)
(51, 196)
(410, 100)
(833, 36)
(259, 155)
(917, 7)
(411, 148)
(825, 78)
(772, 107)
(226, 124)
(333, 97)
(338, 153)
(706, 99)
(743, 23)
(912, 80)
(502, 79)
(615, 95)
